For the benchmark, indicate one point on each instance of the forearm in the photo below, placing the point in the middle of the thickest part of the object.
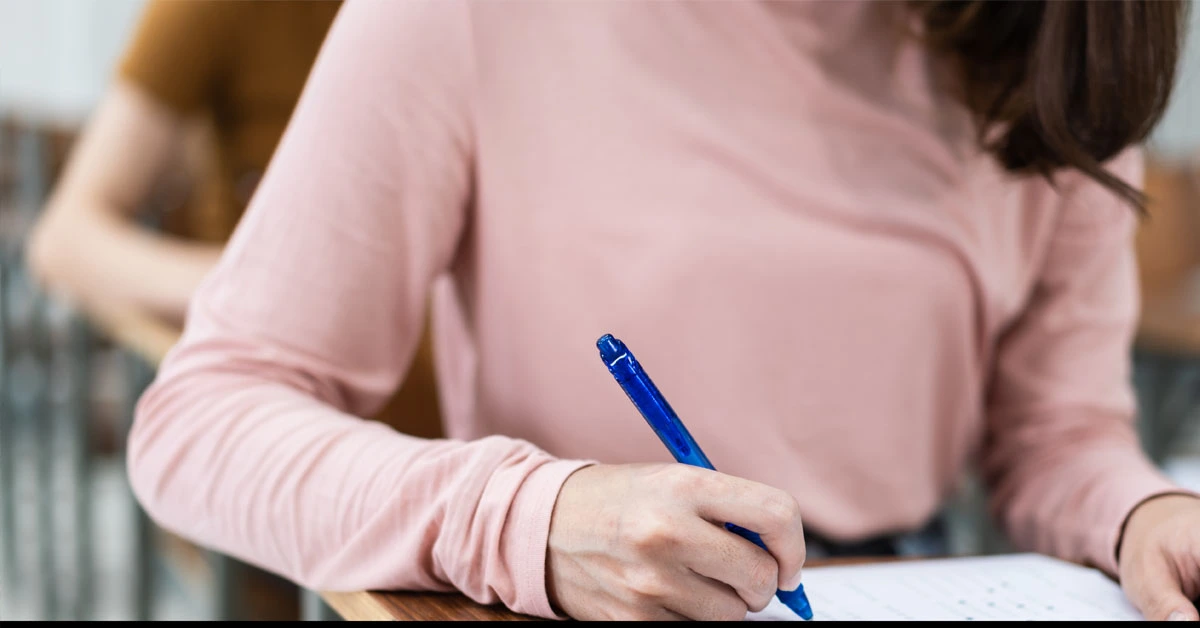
(101, 261)
(248, 440)
(1065, 487)
(257, 468)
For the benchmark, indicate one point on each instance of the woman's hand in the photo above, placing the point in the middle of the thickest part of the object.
(648, 542)
(1160, 557)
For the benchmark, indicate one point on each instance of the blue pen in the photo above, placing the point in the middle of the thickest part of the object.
(663, 420)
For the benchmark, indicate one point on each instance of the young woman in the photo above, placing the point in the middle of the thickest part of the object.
(859, 245)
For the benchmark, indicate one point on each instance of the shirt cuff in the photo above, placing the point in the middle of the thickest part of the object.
(1130, 493)
(527, 532)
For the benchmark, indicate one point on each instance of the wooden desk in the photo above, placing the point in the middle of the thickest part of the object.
(376, 606)
(396, 606)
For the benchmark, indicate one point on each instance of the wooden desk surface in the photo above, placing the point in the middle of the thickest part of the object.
(396, 606)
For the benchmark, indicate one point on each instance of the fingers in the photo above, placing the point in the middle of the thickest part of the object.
(772, 513)
(661, 550)
(649, 613)
(703, 599)
(726, 558)
(1157, 594)
(655, 591)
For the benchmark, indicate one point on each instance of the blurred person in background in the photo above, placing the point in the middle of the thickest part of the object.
(860, 245)
(228, 72)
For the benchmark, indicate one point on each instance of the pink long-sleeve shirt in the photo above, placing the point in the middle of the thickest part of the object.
(773, 204)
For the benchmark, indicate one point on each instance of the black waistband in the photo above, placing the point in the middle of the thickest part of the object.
(884, 545)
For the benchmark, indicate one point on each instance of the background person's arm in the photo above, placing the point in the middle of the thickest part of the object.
(87, 245)
(1061, 457)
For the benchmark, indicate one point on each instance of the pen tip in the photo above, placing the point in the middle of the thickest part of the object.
(610, 348)
(797, 601)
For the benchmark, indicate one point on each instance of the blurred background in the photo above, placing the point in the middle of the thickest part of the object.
(73, 542)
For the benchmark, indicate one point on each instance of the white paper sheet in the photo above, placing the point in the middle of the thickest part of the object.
(1007, 587)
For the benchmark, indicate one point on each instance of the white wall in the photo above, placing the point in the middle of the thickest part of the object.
(1178, 135)
(56, 55)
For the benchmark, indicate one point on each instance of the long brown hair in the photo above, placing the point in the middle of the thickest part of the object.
(1061, 83)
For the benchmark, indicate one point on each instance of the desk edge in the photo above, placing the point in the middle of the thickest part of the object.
(359, 605)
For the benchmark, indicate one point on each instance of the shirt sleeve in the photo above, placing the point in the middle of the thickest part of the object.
(1061, 457)
(177, 51)
(249, 440)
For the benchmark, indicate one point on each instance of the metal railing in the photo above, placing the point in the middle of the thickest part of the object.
(48, 437)
(44, 437)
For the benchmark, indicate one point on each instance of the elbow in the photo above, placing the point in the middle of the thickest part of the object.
(47, 250)
(137, 466)
(144, 458)
(166, 452)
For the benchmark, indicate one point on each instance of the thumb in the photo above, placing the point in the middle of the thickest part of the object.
(1169, 606)
(1159, 597)
(1187, 613)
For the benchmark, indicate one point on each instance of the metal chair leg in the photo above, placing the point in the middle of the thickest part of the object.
(79, 423)
(8, 424)
(140, 375)
(8, 543)
(313, 608)
(227, 583)
(44, 460)
(1150, 380)
(64, 458)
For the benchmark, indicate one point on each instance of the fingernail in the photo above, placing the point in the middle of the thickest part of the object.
(792, 583)
(1177, 616)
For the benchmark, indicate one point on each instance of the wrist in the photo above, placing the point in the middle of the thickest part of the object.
(1148, 513)
(527, 533)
